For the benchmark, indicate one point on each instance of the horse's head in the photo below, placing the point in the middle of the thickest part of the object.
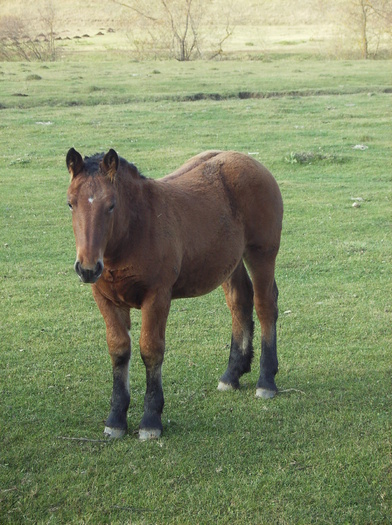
(92, 200)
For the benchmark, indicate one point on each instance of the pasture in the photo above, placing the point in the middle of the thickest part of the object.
(321, 451)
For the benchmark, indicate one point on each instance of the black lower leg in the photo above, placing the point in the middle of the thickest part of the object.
(120, 399)
(268, 364)
(153, 401)
(241, 354)
(266, 386)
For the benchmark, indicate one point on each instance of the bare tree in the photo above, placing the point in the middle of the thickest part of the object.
(48, 20)
(367, 22)
(218, 52)
(175, 27)
(184, 20)
(362, 13)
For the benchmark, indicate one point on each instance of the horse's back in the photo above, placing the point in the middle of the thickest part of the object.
(239, 172)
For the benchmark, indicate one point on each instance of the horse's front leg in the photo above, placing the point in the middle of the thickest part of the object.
(119, 343)
(155, 311)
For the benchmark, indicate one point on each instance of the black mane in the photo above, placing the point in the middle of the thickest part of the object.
(91, 164)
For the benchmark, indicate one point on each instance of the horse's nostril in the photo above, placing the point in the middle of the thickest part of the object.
(98, 268)
(78, 268)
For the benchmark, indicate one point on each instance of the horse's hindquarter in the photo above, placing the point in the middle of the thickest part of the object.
(232, 190)
(221, 205)
(259, 200)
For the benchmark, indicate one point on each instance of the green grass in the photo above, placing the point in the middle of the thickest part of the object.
(321, 452)
(95, 83)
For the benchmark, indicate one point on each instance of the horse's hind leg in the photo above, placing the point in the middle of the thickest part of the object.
(262, 269)
(239, 297)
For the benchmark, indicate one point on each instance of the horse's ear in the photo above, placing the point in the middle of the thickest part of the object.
(75, 162)
(109, 164)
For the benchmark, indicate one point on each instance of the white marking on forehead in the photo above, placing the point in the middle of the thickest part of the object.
(91, 200)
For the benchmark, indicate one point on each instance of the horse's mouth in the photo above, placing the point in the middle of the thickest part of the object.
(88, 275)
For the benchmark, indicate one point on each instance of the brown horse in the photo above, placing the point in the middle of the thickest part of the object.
(143, 242)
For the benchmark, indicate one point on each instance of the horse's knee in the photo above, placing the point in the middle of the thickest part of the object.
(266, 305)
(152, 352)
(119, 349)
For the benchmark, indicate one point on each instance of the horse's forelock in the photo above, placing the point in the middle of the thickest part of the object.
(91, 164)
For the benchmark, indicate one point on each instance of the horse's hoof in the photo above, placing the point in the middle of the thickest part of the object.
(264, 393)
(146, 434)
(114, 433)
(224, 387)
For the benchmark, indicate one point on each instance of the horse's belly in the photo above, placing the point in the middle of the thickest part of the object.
(201, 277)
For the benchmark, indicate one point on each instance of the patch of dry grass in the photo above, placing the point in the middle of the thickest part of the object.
(260, 29)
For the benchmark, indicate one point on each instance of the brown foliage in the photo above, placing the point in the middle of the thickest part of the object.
(19, 42)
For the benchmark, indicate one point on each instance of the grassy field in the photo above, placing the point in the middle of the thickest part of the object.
(321, 451)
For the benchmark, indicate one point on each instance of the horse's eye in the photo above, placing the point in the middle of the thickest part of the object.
(111, 208)
(70, 206)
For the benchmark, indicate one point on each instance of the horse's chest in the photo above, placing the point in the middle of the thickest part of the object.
(126, 292)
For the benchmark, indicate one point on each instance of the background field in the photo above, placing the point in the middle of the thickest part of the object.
(321, 452)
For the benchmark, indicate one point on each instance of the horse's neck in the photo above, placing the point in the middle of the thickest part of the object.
(132, 216)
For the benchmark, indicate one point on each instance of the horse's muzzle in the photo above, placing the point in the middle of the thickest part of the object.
(89, 275)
